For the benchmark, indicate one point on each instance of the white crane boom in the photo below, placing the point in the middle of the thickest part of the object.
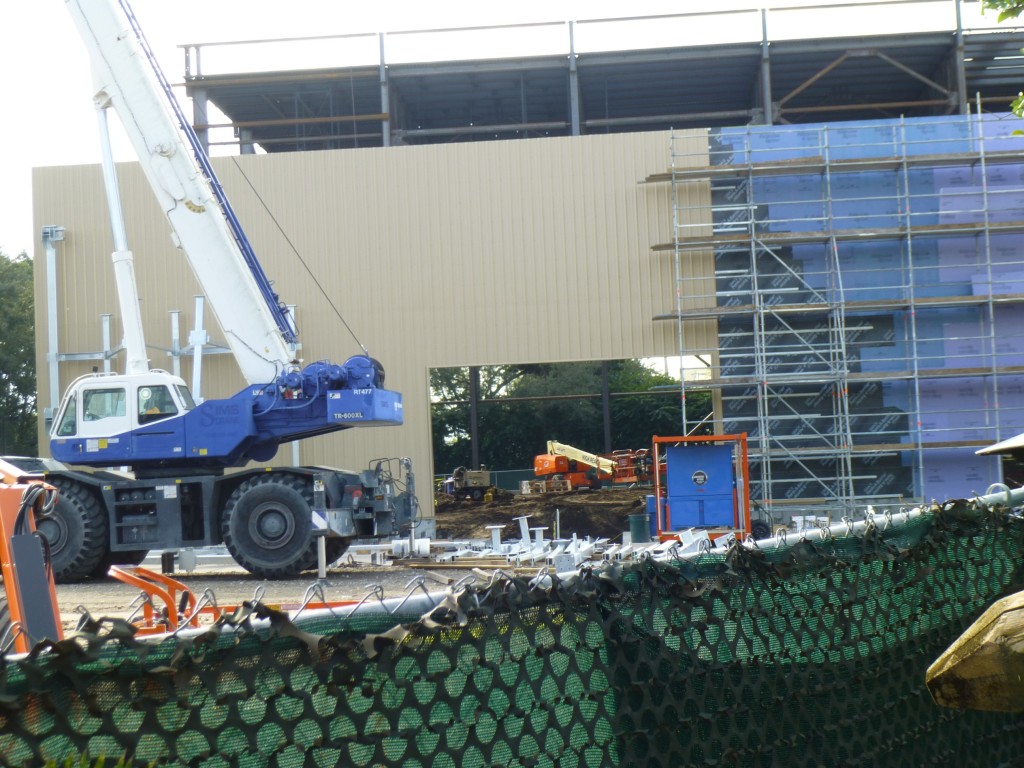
(136, 359)
(234, 284)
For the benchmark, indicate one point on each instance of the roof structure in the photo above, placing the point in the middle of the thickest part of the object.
(574, 92)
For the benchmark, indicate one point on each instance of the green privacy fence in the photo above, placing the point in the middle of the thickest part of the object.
(810, 652)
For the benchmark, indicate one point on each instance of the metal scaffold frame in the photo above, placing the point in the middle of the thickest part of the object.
(864, 300)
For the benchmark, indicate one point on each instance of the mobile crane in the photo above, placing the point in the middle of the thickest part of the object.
(177, 493)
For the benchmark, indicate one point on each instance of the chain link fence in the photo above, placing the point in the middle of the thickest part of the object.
(809, 652)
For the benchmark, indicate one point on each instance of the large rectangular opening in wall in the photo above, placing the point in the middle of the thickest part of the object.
(502, 416)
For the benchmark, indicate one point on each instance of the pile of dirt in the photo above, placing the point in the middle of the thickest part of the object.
(599, 514)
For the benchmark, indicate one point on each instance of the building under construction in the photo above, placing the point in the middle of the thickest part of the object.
(834, 226)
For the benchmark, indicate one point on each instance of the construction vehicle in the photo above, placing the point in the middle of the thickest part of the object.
(473, 484)
(564, 468)
(29, 610)
(178, 493)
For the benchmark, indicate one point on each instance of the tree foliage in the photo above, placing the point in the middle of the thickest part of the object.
(17, 358)
(1008, 9)
(522, 407)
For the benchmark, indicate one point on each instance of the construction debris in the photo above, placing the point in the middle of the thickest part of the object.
(532, 549)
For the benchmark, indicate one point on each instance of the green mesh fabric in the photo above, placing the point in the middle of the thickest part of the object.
(812, 654)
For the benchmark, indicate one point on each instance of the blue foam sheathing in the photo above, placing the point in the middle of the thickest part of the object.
(954, 474)
(888, 266)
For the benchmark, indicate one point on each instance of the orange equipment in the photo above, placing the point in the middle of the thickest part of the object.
(29, 612)
(568, 468)
(631, 467)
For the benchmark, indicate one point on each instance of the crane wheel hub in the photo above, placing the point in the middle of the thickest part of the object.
(270, 526)
(54, 530)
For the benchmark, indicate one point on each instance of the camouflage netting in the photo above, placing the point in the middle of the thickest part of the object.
(810, 654)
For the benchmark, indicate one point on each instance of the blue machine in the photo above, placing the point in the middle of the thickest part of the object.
(700, 486)
(318, 399)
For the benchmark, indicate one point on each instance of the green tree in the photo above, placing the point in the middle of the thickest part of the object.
(17, 357)
(450, 390)
(1008, 9)
(549, 402)
(653, 407)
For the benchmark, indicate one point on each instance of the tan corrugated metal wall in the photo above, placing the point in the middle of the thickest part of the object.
(441, 255)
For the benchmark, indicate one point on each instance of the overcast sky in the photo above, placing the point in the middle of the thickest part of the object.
(49, 119)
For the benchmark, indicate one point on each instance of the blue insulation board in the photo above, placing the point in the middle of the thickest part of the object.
(887, 267)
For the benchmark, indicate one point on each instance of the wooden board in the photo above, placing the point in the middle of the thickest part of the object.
(984, 668)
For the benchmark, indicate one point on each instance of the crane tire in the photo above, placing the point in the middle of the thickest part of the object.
(76, 532)
(336, 547)
(760, 530)
(267, 525)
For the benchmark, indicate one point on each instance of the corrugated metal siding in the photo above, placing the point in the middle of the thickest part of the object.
(444, 255)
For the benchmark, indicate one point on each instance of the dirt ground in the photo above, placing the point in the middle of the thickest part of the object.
(602, 513)
(599, 514)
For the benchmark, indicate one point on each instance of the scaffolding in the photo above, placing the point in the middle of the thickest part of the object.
(868, 279)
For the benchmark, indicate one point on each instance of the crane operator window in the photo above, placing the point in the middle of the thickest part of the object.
(155, 403)
(103, 403)
(187, 403)
(67, 420)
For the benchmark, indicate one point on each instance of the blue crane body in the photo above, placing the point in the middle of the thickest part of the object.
(232, 432)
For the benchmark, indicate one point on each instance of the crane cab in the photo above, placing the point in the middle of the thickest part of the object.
(111, 416)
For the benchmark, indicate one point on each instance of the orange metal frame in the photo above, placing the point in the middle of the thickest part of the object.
(628, 466)
(175, 597)
(169, 605)
(741, 505)
(13, 485)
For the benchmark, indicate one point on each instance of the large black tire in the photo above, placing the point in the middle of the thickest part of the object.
(267, 525)
(760, 530)
(336, 547)
(76, 531)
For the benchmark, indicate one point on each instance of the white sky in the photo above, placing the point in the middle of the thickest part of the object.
(47, 88)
